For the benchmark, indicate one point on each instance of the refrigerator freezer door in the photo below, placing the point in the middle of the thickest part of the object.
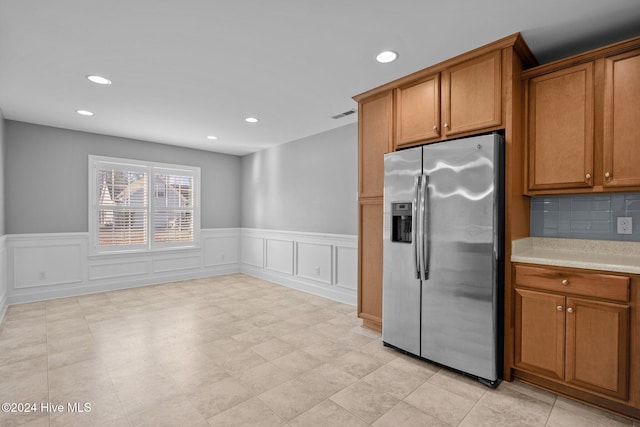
(401, 286)
(459, 299)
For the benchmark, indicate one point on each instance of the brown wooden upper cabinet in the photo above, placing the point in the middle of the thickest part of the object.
(622, 120)
(463, 98)
(560, 129)
(375, 123)
(582, 122)
(472, 95)
(418, 111)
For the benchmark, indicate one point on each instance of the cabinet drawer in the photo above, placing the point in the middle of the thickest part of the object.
(597, 285)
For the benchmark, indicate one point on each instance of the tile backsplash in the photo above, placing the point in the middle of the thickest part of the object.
(585, 216)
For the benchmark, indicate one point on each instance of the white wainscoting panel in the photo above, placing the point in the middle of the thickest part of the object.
(252, 249)
(118, 268)
(43, 266)
(315, 261)
(280, 256)
(54, 265)
(222, 250)
(346, 275)
(321, 264)
(58, 261)
(3, 277)
(176, 263)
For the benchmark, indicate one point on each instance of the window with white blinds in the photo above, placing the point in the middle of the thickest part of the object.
(137, 205)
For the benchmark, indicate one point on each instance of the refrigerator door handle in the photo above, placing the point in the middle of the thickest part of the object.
(496, 250)
(425, 227)
(415, 231)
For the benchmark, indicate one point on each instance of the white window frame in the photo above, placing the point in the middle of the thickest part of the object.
(151, 168)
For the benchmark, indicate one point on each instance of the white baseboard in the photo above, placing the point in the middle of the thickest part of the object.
(72, 291)
(301, 285)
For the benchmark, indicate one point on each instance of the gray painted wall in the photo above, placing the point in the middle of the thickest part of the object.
(47, 177)
(591, 216)
(306, 185)
(2, 173)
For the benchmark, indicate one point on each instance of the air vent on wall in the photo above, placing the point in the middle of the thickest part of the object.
(346, 113)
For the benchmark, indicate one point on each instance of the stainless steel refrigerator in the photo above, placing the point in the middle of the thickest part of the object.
(443, 216)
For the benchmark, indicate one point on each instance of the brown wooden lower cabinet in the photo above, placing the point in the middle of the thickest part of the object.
(582, 342)
(540, 333)
(597, 351)
(370, 266)
(573, 343)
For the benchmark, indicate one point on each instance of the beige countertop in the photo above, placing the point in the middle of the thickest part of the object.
(622, 257)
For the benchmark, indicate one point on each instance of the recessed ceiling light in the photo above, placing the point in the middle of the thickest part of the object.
(212, 137)
(99, 80)
(251, 120)
(84, 112)
(386, 56)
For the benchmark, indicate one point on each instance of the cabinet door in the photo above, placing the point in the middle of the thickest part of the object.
(418, 111)
(598, 346)
(472, 95)
(375, 136)
(370, 268)
(621, 119)
(539, 333)
(560, 129)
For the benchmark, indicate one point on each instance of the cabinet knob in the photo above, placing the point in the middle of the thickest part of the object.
(569, 310)
(607, 175)
(446, 125)
(559, 308)
(565, 282)
(588, 176)
(435, 127)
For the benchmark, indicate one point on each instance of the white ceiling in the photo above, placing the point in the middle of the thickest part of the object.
(185, 69)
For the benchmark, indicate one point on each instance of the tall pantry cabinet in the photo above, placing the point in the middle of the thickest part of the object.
(375, 126)
(473, 93)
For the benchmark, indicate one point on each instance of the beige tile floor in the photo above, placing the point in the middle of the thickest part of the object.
(238, 351)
